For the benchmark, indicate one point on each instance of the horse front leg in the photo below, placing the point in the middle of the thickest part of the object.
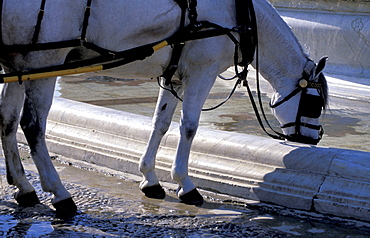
(39, 96)
(12, 97)
(166, 105)
(195, 94)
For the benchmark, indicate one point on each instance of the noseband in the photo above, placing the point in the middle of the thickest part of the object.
(309, 106)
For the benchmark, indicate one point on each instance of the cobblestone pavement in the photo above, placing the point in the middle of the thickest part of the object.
(111, 205)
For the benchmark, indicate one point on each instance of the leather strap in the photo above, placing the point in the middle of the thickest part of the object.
(247, 28)
(35, 46)
(86, 21)
(177, 48)
(40, 16)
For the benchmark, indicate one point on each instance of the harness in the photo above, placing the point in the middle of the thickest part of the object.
(306, 101)
(111, 59)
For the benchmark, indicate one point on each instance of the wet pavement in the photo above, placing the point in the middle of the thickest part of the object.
(111, 205)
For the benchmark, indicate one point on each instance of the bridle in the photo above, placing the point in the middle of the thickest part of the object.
(309, 106)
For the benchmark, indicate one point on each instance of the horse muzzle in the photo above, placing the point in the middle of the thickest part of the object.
(305, 139)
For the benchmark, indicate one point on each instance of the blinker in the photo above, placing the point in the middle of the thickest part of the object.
(312, 105)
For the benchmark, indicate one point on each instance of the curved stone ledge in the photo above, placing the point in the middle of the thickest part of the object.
(334, 28)
(327, 180)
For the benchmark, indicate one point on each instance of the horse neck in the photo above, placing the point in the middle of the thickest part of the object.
(282, 59)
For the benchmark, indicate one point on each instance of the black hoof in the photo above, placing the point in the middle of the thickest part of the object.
(155, 191)
(27, 200)
(65, 208)
(192, 198)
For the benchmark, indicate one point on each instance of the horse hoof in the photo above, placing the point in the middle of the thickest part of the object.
(27, 200)
(192, 198)
(65, 208)
(155, 191)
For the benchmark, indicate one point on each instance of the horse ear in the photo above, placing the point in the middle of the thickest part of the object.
(320, 65)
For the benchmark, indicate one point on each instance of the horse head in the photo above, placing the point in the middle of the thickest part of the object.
(299, 111)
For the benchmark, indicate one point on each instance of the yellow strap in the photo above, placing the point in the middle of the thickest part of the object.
(65, 72)
(160, 45)
(87, 69)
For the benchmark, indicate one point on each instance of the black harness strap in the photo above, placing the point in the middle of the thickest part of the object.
(177, 48)
(85, 22)
(193, 14)
(35, 46)
(40, 16)
(182, 3)
(247, 28)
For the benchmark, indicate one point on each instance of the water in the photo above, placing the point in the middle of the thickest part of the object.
(12, 227)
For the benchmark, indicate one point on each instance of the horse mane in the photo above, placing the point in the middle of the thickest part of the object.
(290, 52)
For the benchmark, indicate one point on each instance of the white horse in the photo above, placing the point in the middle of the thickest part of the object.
(118, 25)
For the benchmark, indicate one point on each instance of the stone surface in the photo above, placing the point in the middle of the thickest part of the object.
(337, 29)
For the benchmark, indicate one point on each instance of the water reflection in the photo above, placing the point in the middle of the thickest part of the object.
(110, 207)
(223, 223)
(12, 227)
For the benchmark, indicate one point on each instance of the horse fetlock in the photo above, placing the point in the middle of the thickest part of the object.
(149, 181)
(60, 195)
(23, 185)
(185, 185)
